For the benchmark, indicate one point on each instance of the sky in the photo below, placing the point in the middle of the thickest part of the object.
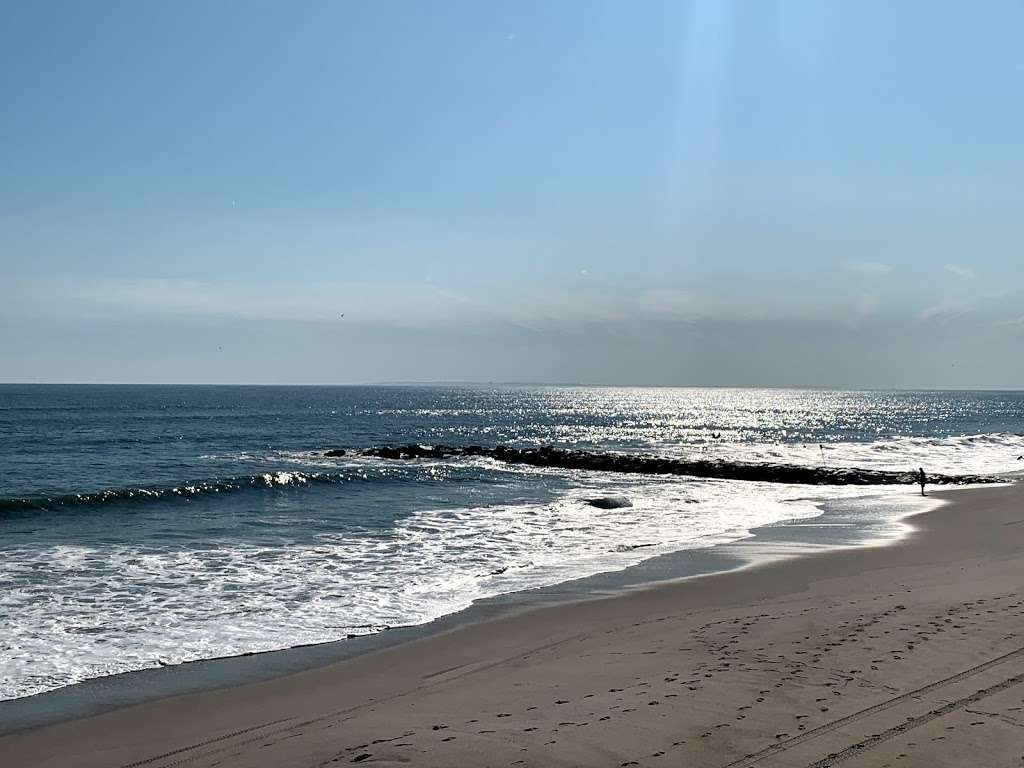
(713, 192)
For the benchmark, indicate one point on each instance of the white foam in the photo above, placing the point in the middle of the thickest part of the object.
(116, 608)
(970, 454)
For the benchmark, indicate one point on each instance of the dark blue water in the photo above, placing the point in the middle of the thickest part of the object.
(152, 524)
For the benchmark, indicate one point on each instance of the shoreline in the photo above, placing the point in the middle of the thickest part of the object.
(501, 685)
(794, 537)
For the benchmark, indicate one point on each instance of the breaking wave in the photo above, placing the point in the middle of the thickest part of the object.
(264, 481)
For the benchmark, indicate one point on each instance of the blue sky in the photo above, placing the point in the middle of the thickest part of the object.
(713, 192)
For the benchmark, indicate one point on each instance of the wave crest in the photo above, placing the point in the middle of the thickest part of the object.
(187, 490)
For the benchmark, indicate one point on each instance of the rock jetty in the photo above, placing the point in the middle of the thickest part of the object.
(549, 456)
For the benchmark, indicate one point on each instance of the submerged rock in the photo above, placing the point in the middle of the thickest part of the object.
(610, 502)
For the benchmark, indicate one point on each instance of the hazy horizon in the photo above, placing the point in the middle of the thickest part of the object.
(509, 384)
(706, 193)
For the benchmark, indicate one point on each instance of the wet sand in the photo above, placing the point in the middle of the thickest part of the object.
(904, 655)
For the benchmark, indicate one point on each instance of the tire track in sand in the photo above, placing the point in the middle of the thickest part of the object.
(774, 749)
(873, 741)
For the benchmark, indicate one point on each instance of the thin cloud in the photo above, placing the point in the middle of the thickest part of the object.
(385, 304)
(866, 305)
(426, 306)
(943, 311)
(964, 272)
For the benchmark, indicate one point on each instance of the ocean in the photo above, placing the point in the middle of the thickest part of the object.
(145, 526)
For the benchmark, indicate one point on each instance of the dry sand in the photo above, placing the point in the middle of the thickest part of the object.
(905, 655)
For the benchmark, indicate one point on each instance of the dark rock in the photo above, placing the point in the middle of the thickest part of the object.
(610, 502)
(549, 456)
(335, 452)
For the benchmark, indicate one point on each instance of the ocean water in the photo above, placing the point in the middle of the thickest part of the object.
(151, 525)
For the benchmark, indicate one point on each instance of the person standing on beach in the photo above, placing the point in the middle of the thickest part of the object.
(921, 478)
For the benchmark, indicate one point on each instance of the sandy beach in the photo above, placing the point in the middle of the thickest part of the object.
(903, 655)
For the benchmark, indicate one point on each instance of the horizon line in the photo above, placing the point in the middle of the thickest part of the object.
(486, 383)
